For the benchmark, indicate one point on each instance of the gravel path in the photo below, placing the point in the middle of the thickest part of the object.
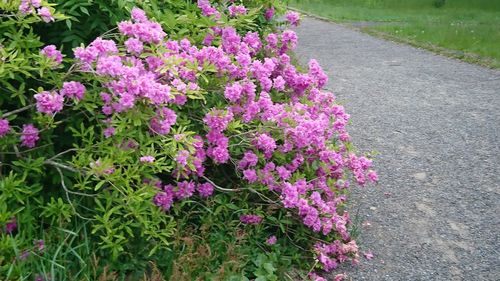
(435, 214)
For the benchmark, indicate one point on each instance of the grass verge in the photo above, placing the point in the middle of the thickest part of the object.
(462, 29)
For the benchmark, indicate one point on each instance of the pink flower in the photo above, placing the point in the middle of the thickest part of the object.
(220, 154)
(182, 157)
(73, 89)
(51, 52)
(138, 15)
(134, 46)
(279, 83)
(29, 136)
(49, 102)
(249, 160)
(46, 15)
(235, 10)
(218, 120)
(109, 131)
(25, 7)
(315, 277)
(293, 18)
(147, 159)
(269, 13)
(233, 92)
(250, 219)
(11, 225)
(36, 3)
(207, 10)
(372, 176)
(368, 255)
(40, 245)
(271, 240)
(185, 189)
(4, 127)
(205, 189)
(164, 120)
(340, 277)
(265, 143)
(250, 175)
(165, 199)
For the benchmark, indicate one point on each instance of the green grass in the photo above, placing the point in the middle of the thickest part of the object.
(467, 29)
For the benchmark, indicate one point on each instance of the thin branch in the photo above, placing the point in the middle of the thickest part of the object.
(67, 195)
(221, 188)
(59, 165)
(69, 191)
(61, 153)
(5, 115)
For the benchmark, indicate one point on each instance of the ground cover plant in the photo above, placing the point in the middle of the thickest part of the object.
(463, 29)
(180, 143)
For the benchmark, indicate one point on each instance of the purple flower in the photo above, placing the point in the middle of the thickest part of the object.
(372, 176)
(134, 46)
(220, 154)
(29, 136)
(46, 15)
(164, 120)
(147, 159)
(73, 89)
(36, 3)
(49, 102)
(164, 200)
(250, 175)
(217, 120)
(233, 92)
(250, 219)
(138, 15)
(40, 245)
(249, 160)
(293, 18)
(207, 10)
(4, 127)
(205, 189)
(25, 7)
(182, 157)
(11, 225)
(109, 131)
(271, 240)
(265, 143)
(269, 13)
(51, 52)
(279, 83)
(185, 189)
(24, 255)
(235, 10)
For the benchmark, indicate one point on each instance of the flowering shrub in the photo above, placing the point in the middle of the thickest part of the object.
(217, 130)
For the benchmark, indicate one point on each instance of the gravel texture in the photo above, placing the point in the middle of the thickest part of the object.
(435, 121)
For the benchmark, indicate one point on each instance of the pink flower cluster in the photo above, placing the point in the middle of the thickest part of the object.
(4, 127)
(235, 10)
(53, 102)
(29, 136)
(29, 7)
(183, 190)
(207, 9)
(49, 102)
(293, 18)
(52, 53)
(251, 219)
(217, 121)
(330, 255)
